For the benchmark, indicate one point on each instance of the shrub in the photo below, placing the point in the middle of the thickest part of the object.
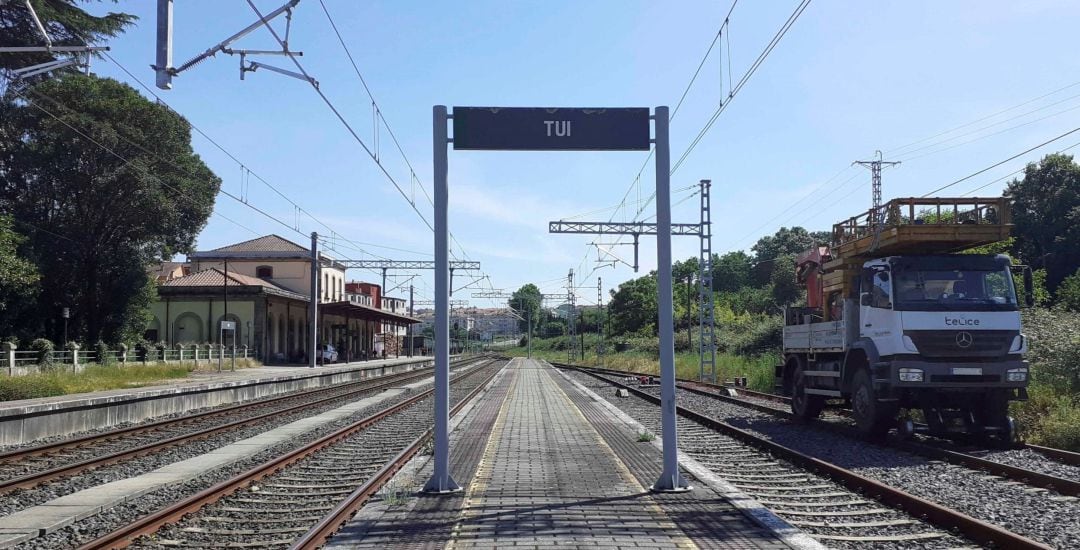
(101, 351)
(29, 387)
(44, 349)
(1068, 293)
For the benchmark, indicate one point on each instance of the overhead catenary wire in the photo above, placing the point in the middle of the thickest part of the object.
(245, 167)
(995, 165)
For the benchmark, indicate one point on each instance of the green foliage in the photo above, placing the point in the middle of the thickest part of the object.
(44, 348)
(526, 301)
(115, 215)
(785, 289)
(732, 271)
(93, 378)
(795, 240)
(1049, 417)
(1046, 212)
(18, 280)
(645, 436)
(633, 306)
(67, 25)
(101, 353)
(1068, 293)
(1054, 348)
(552, 329)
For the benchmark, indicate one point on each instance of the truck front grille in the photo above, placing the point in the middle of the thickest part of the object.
(962, 343)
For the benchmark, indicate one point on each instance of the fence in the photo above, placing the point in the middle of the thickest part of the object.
(17, 362)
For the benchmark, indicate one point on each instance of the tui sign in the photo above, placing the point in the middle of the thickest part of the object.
(551, 129)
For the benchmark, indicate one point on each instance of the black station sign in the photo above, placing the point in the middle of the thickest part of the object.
(554, 129)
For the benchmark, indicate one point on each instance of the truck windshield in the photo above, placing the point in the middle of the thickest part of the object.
(954, 290)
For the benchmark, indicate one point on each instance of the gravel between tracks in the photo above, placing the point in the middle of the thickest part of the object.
(705, 445)
(1027, 459)
(25, 498)
(1034, 513)
(101, 524)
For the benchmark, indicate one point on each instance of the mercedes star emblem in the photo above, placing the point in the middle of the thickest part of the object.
(964, 339)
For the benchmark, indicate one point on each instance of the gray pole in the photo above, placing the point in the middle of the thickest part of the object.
(409, 331)
(670, 479)
(313, 306)
(440, 481)
(530, 332)
(164, 44)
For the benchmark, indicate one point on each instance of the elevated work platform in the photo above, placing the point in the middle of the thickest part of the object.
(543, 466)
(912, 226)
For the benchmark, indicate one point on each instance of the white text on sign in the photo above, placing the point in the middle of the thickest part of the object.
(561, 128)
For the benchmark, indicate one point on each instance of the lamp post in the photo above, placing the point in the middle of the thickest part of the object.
(66, 314)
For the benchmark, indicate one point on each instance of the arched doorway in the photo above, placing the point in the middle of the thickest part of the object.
(187, 329)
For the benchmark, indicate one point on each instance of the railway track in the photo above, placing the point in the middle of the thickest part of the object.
(302, 497)
(1043, 467)
(29, 467)
(837, 505)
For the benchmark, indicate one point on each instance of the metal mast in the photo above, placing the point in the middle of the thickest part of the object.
(570, 350)
(875, 177)
(706, 319)
(600, 321)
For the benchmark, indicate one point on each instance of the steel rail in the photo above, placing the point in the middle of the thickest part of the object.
(945, 518)
(24, 452)
(1037, 479)
(344, 511)
(37, 478)
(151, 523)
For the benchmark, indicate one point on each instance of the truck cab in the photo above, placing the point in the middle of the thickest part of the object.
(942, 334)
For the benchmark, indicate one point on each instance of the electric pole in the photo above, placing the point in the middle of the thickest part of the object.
(570, 316)
(600, 327)
(875, 178)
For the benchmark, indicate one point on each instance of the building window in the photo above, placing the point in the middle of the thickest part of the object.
(264, 272)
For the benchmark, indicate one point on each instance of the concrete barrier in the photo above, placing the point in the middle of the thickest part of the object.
(22, 422)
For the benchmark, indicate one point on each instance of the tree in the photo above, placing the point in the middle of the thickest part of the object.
(785, 241)
(67, 24)
(123, 191)
(633, 306)
(18, 282)
(731, 271)
(1046, 211)
(785, 289)
(526, 301)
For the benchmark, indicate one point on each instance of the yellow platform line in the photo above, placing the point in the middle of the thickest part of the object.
(480, 479)
(682, 541)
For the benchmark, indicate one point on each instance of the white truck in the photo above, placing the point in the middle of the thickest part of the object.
(934, 332)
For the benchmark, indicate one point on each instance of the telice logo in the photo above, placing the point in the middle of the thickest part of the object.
(962, 322)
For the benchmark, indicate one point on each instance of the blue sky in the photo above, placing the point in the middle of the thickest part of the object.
(848, 79)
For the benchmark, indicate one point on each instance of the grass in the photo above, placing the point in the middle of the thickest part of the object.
(645, 437)
(1049, 417)
(93, 378)
(757, 370)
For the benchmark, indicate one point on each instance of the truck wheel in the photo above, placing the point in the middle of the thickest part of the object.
(995, 413)
(804, 407)
(871, 417)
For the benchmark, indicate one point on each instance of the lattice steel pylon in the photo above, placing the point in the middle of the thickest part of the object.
(570, 350)
(706, 318)
(875, 181)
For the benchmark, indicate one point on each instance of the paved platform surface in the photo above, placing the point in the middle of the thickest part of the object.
(543, 466)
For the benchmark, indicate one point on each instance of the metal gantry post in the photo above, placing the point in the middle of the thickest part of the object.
(706, 316)
(409, 330)
(670, 479)
(440, 481)
(600, 321)
(313, 307)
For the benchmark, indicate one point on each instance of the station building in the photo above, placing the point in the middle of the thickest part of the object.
(263, 285)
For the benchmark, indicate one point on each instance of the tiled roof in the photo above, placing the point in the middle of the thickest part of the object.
(214, 277)
(268, 243)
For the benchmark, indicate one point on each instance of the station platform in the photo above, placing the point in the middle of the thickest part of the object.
(28, 420)
(543, 465)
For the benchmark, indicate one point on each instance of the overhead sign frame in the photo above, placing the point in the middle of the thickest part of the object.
(551, 129)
